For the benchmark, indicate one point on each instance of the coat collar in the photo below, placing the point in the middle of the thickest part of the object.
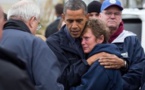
(65, 41)
(17, 25)
(117, 33)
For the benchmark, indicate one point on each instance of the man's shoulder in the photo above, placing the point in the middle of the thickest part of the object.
(17, 33)
(51, 28)
(57, 36)
(56, 22)
(125, 35)
(19, 38)
(57, 40)
(129, 37)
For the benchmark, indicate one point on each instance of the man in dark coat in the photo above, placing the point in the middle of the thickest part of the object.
(66, 44)
(13, 74)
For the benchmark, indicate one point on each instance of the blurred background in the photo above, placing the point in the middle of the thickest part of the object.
(133, 14)
(48, 13)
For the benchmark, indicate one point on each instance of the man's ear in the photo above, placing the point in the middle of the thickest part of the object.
(100, 15)
(63, 17)
(31, 22)
(87, 17)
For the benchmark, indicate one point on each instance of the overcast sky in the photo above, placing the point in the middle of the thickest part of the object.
(12, 1)
(7, 1)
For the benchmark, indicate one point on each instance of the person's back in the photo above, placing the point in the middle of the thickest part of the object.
(42, 65)
(12, 68)
(53, 27)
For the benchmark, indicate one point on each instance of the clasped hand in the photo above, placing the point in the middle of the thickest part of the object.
(108, 60)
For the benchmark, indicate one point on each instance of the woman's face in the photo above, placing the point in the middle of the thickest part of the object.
(89, 41)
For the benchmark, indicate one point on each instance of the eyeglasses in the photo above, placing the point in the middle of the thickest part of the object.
(110, 13)
(39, 26)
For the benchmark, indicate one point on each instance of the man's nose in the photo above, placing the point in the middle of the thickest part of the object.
(94, 17)
(112, 15)
(74, 24)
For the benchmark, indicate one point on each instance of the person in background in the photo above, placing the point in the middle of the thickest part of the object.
(127, 42)
(95, 40)
(53, 27)
(61, 24)
(12, 68)
(19, 37)
(94, 9)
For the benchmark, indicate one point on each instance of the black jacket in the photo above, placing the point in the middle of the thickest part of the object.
(12, 72)
(52, 28)
(72, 62)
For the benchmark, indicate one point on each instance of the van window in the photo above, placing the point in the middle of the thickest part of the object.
(133, 25)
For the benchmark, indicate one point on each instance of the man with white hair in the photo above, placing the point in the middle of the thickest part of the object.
(42, 64)
(12, 69)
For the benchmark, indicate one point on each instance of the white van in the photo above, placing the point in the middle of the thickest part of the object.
(134, 20)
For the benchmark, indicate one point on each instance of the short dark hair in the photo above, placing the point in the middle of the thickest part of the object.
(59, 8)
(75, 5)
(98, 28)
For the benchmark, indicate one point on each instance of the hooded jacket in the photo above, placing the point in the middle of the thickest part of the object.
(99, 78)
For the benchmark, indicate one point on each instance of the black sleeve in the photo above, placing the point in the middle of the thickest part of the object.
(52, 28)
(71, 73)
(13, 78)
